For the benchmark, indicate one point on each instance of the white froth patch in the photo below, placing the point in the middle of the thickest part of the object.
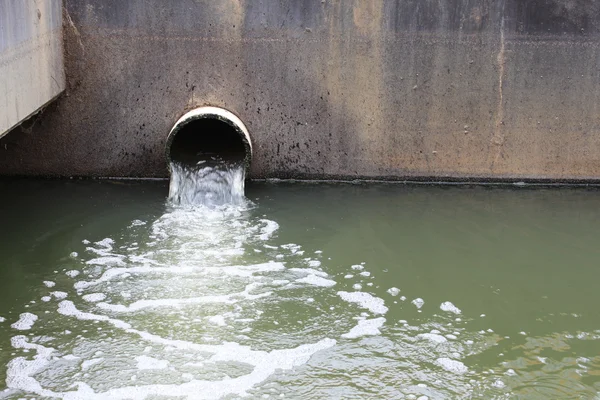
(418, 302)
(365, 273)
(94, 297)
(317, 281)
(89, 363)
(365, 327)
(449, 307)
(46, 299)
(49, 284)
(73, 273)
(109, 261)
(394, 291)
(499, 384)
(433, 337)
(20, 370)
(357, 267)
(217, 320)
(314, 263)
(145, 362)
(365, 300)
(74, 254)
(67, 308)
(25, 322)
(267, 231)
(2, 319)
(59, 295)
(107, 243)
(357, 286)
(155, 303)
(452, 365)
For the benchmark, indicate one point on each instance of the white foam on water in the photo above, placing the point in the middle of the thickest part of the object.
(358, 267)
(46, 299)
(316, 281)
(20, 370)
(432, 337)
(452, 365)
(2, 319)
(72, 273)
(86, 364)
(365, 273)
(310, 271)
(365, 300)
(217, 320)
(418, 302)
(394, 291)
(314, 263)
(357, 286)
(94, 297)
(449, 307)
(365, 327)
(145, 362)
(49, 284)
(268, 230)
(25, 322)
(59, 295)
(499, 384)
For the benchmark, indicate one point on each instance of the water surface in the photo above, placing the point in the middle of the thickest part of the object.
(309, 291)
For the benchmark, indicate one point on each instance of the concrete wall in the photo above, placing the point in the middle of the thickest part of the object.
(489, 89)
(31, 58)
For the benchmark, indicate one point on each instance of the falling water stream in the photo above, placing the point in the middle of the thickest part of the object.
(300, 291)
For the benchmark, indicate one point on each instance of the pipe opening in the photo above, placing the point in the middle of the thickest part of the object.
(209, 135)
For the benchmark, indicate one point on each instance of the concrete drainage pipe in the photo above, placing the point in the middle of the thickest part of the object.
(209, 133)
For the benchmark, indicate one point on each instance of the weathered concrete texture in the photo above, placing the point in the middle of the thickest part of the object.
(31, 58)
(503, 89)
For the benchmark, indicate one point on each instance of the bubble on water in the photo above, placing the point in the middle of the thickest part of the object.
(217, 320)
(365, 327)
(365, 300)
(25, 321)
(94, 297)
(418, 302)
(449, 307)
(357, 286)
(317, 281)
(89, 363)
(49, 284)
(394, 291)
(145, 362)
(365, 273)
(73, 273)
(452, 365)
(59, 295)
(432, 337)
(357, 267)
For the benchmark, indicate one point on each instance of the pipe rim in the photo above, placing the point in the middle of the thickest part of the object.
(211, 112)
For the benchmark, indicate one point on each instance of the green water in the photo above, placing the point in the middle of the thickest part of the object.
(268, 300)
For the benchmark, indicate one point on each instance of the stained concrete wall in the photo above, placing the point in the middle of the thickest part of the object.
(31, 58)
(488, 89)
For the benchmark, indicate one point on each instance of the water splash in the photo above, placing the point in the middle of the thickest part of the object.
(209, 183)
